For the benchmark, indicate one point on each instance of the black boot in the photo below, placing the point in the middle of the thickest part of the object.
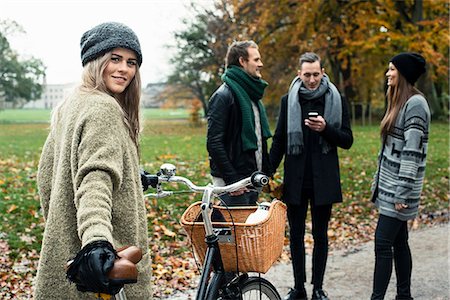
(295, 294)
(319, 294)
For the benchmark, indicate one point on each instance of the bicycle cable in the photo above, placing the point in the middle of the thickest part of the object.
(184, 192)
(234, 230)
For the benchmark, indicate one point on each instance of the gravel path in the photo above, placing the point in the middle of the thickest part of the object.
(349, 275)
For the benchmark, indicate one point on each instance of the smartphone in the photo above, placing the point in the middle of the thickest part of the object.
(312, 114)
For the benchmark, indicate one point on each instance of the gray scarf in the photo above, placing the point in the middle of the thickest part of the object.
(332, 112)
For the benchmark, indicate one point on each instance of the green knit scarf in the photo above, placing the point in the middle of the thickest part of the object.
(247, 88)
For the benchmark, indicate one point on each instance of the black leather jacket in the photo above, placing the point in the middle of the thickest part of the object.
(224, 145)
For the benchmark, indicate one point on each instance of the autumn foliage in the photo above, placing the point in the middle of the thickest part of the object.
(355, 39)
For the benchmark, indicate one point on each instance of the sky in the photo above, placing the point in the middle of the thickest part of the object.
(54, 28)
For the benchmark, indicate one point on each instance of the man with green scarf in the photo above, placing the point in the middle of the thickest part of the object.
(237, 123)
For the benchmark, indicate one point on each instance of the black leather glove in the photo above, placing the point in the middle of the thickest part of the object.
(89, 269)
(144, 181)
(148, 180)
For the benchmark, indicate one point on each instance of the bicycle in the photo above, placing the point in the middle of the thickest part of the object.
(214, 284)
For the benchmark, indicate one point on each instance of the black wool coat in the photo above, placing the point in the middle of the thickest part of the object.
(319, 169)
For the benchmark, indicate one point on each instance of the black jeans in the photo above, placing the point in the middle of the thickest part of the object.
(320, 216)
(391, 242)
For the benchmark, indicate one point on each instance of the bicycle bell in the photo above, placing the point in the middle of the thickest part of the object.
(168, 170)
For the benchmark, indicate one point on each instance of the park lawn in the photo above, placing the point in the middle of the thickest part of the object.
(14, 116)
(176, 141)
(24, 116)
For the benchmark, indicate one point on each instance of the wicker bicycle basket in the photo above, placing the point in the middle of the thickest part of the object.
(249, 247)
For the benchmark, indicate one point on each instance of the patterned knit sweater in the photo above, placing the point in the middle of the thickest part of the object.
(402, 160)
(90, 189)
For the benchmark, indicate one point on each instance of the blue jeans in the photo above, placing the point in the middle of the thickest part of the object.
(391, 243)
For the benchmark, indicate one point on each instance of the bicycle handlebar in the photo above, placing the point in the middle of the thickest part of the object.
(167, 174)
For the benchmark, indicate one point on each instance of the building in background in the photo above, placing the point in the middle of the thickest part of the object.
(152, 95)
(2, 100)
(52, 94)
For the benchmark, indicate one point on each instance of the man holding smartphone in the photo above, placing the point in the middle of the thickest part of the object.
(313, 122)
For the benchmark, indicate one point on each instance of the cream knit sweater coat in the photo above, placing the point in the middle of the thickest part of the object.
(90, 189)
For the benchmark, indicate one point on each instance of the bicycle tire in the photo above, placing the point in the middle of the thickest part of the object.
(257, 288)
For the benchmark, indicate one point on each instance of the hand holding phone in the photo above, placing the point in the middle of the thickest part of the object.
(315, 123)
(313, 114)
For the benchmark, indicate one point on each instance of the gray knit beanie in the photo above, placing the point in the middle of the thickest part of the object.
(105, 37)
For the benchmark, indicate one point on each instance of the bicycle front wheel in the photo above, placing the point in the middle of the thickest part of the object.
(257, 288)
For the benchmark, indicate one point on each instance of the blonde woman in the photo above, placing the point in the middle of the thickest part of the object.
(88, 177)
(401, 170)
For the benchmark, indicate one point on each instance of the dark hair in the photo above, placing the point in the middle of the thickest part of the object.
(237, 50)
(397, 96)
(309, 57)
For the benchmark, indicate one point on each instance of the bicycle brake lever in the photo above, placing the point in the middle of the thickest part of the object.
(160, 194)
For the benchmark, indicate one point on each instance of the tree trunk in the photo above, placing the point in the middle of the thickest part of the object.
(417, 15)
(347, 82)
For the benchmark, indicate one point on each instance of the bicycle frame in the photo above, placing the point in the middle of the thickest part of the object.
(213, 258)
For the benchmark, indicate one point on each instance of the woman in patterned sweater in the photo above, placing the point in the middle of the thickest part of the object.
(401, 169)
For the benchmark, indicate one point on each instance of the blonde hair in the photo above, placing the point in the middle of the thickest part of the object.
(396, 96)
(128, 101)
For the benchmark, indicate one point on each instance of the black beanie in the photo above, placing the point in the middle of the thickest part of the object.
(410, 65)
(105, 37)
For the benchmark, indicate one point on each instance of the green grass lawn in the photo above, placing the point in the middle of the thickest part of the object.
(14, 116)
(175, 141)
(24, 116)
